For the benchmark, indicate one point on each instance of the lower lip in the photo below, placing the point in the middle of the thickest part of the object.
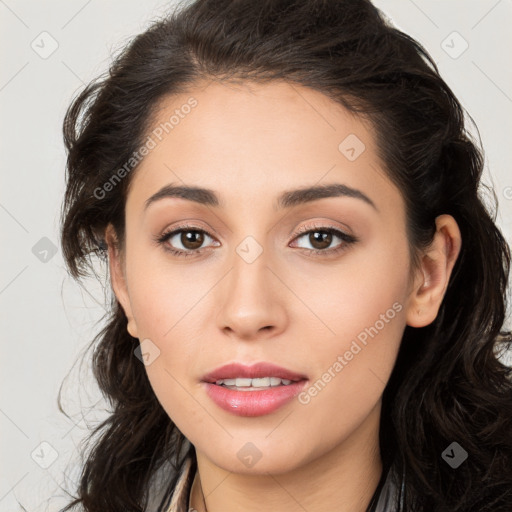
(253, 403)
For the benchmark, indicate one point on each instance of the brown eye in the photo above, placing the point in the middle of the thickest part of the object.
(320, 240)
(184, 240)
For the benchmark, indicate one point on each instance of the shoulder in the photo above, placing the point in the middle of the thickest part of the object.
(390, 494)
(157, 500)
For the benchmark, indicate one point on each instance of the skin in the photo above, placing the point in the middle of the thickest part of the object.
(250, 142)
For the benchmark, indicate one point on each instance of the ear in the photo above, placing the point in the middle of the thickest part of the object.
(118, 278)
(431, 279)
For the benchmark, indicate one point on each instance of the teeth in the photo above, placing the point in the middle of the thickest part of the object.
(262, 382)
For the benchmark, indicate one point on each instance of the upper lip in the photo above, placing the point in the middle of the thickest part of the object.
(258, 370)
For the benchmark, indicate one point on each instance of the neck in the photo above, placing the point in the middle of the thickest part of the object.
(344, 479)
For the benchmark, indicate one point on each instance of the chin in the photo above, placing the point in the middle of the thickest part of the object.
(251, 458)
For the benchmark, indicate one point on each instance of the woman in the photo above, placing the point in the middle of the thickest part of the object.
(309, 289)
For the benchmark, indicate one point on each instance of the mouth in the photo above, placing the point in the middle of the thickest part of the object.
(253, 390)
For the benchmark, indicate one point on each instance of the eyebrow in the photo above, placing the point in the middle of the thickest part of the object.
(287, 199)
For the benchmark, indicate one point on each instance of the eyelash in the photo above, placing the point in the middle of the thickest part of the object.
(347, 239)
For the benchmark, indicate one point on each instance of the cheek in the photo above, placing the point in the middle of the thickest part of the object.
(164, 304)
(366, 290)
(162, 295)
(166, 312)
(361, 319)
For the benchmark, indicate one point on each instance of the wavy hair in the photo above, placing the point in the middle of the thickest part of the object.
(449, 382)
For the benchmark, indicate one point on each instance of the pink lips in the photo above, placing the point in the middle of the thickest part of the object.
(253, 403)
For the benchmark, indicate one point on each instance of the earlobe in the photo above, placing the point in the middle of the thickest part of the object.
(433, 276)
(118, 279)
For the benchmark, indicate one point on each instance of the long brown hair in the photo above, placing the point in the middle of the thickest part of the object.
(448, 383)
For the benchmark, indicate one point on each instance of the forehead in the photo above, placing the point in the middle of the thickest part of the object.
(253, 139)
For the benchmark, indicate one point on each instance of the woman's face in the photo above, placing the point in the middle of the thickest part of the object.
(248, 287)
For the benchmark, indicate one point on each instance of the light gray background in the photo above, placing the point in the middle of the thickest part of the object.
(46, 318)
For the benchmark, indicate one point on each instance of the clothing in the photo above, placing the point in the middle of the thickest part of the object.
(387, 497)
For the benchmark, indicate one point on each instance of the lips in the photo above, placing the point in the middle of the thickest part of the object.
(256, 371)
(248, 400)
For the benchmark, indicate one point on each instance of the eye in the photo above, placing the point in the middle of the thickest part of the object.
(190, 238)
(321, 237)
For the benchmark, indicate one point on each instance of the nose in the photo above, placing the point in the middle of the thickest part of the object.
(251, 300)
